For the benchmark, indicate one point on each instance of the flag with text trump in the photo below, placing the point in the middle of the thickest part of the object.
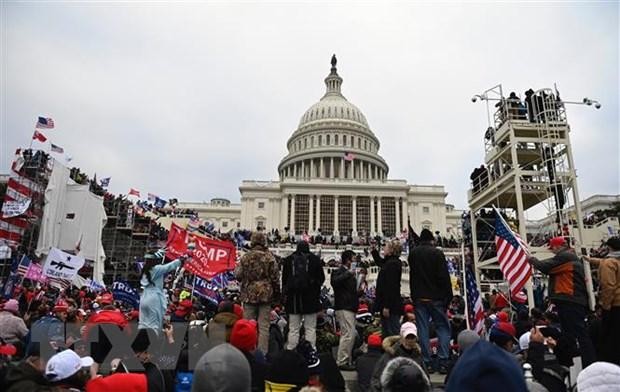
(475, 311)
(512, 256)
(209, 258)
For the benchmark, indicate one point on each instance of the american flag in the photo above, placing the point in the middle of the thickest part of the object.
(475, 311)
(23, 266)
(57, 149)
(152, 198)
(193, 224)
(512, 255)
(45, 122)
(349, 156)
(134, 192)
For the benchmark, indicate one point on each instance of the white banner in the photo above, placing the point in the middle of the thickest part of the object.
(62, 265)
(14, 208)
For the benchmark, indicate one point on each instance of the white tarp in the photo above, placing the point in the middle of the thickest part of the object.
(62, 265)
(72, 216)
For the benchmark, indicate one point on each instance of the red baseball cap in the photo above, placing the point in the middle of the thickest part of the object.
(409, 308)
(556, 241)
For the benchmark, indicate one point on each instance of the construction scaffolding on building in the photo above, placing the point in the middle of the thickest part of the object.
(528, 162)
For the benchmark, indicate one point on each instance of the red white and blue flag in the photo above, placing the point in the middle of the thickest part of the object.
(475, 311)
(57, 149)
(45, 123)
(24, 266)
(512, 254)
(348, 156)
(39, 136)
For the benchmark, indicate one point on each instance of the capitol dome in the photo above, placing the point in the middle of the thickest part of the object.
(333, 141)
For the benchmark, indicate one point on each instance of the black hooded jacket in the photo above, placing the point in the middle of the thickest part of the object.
(308, 301)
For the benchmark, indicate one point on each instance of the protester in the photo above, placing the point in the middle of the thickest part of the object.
(403, 374)
(302, 279)
(66, 370)
(244, 337)
(259, 277)
(609, 299)
(220, 327)
(599, 377)
(222, 369)
(431, 291)
(545, 366)
(28, 375)
(503, 334)
(126, 382)
(288, 371)
(153, 302)
(567, 291)
(405, 345)
(366, 363)
(388, 299)
(12, 327)
(344, 283)
(484, 367)
(465, 340)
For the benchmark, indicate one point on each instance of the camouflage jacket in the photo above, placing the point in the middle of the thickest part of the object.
(259, 277)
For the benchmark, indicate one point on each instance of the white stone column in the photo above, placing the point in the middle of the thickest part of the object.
(379, 227)
(342, 173)
(311, 168)
(292, 228)
(397, 213)
(375, 176)
(311, 213)
(331, 167)
(283, 212)
(336, 215)
(372, 216)
(404, 211)
(303, 169)
(321, 169)
(318, 213)
(354, 220)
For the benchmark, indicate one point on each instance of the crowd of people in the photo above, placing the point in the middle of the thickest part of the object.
(282, 331)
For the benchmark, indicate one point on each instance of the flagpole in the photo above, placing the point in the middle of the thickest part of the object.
(464, 284)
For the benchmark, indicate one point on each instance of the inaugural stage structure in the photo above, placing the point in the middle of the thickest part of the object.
(528, 162)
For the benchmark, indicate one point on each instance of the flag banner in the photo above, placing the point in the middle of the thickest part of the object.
(123, 292)
(512, 255)
(134, 192)
(15, 208)
(349, 156)
(57, 149)
(193, 224)
(211, 290)
(159, 203)
(474, 302)
(62, 265)
(39, 136)
(45, 122)
(5, 252)
(94, 285)
(209, 258)
(35, 273)
(151, 198)
(105, 182)
(24, 265)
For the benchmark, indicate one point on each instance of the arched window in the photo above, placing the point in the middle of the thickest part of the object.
(352, 141)
(327, 140)
(320, 140)
(359, 143)
(365, 146)
(336, 139)
(329, 111)
(311, 141)
(305, 142)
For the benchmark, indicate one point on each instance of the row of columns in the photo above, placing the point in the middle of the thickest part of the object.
(375, 221)
(365, 170)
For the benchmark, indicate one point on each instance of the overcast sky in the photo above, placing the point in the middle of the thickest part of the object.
(187, 99)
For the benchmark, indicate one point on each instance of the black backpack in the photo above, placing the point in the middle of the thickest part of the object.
(300, 279)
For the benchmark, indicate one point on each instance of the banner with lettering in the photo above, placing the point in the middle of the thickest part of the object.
(35, 273)
(123, 292)
(211, 289)
(14, 208)
(209, 258)
(62, 265)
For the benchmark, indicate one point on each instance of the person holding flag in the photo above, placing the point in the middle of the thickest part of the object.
(567, 291)
(153, 301)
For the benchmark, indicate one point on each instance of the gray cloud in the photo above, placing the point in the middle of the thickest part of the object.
(186, 100)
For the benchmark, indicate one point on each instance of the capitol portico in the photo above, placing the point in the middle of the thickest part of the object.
(334, 179)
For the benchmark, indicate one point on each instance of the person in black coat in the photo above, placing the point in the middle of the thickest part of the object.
(431, 291)
(365, 365)
(388, 300)
(302, 279)
(344, 283)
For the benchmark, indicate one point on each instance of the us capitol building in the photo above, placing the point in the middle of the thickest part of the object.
(333, 179)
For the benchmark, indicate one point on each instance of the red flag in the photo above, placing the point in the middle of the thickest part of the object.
(134, 192)
(210, 257)
(39, 136)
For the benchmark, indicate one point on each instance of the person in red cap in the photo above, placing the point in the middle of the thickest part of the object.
(365, 364)
(567, 291)
(244, 336)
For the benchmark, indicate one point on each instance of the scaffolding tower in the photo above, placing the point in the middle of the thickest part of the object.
(528, 162)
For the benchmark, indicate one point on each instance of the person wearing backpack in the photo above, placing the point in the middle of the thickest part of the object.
(302, 279)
